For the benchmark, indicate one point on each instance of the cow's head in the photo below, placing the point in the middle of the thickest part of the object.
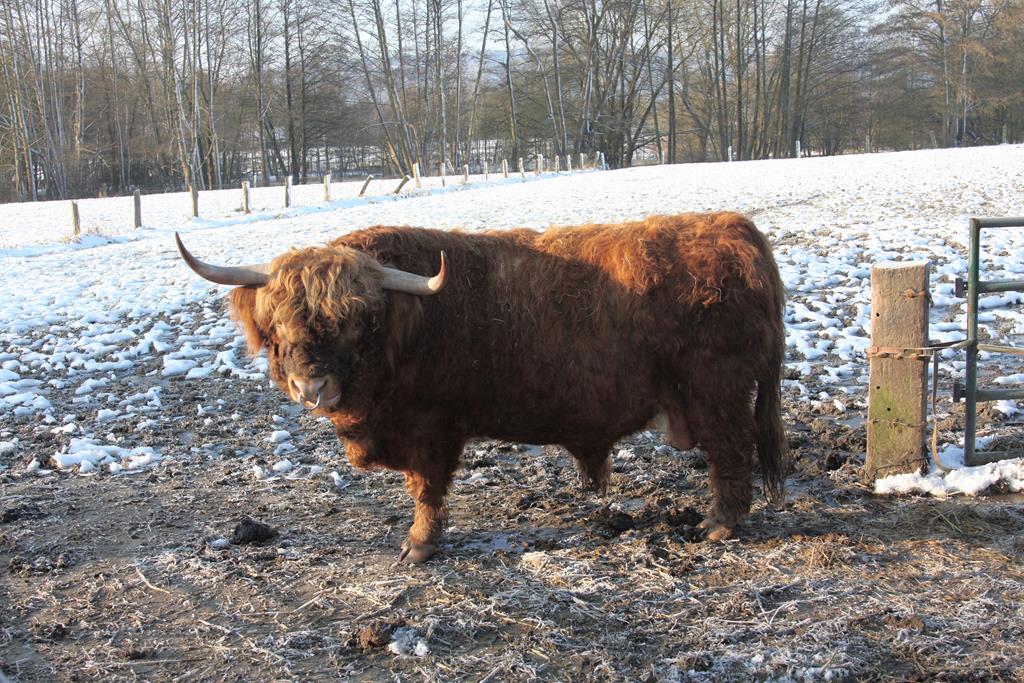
(314, 310)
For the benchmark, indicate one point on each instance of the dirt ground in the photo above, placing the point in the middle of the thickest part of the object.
(130, 577)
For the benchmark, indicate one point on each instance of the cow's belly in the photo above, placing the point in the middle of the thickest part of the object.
(547, 418)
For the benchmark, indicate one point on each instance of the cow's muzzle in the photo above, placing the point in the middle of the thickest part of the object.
(314, 392)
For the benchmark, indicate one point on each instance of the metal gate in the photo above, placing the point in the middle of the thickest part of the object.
(969, 391)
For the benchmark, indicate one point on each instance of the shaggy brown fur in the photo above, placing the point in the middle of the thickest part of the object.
(575, 336)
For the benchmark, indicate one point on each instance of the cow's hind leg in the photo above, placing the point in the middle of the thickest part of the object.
(593, 465)
(724, 428)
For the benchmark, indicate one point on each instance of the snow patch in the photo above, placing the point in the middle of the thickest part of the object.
(967, 481)
(405, 642)
(88, 451)
(177, 366)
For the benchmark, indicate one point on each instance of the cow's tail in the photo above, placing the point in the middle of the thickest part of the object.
(772, 442)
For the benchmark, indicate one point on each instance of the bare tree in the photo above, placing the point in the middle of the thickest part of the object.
(101, 95)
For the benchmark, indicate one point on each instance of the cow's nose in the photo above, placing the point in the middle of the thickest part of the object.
(307, 389)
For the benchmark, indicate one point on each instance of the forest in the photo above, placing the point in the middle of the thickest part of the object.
(103, 97)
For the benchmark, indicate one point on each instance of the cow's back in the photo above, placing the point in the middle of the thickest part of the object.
(567, 334)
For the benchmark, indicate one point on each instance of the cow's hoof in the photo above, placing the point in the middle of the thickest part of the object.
(714, 530)
(598, 488)
(416, 553)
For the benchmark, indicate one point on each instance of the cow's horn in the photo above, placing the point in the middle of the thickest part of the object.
(401, 281)
(252, 275)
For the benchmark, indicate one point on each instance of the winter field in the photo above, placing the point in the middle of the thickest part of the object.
(135, 434)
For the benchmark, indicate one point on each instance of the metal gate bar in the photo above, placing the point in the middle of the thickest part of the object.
(971, 393)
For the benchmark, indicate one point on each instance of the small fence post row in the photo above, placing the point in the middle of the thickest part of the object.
(76, 215)
(246, 186)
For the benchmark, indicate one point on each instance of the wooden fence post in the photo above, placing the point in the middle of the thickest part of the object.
(76, 222)
(137, 195)
(558, 164)
(898, 382)
(568, 163)
(245, 197)
(405, 179)
(487, 172)
(465, 174)
(504, 168)
(416, 174)
(327, 187)
(287, 191)
(539, 165)
(440, 171)
(583, 163)
(194, 191)
(522, 170)
(365, 184)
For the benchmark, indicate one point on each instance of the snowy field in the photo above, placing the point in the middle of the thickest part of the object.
(125, 393)
(74, 311)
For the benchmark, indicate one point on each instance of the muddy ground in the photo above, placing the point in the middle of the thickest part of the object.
(128, 577)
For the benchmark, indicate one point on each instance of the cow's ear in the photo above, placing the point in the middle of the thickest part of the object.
(243, 312)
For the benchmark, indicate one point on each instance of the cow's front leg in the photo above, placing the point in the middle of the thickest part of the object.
(428, 492)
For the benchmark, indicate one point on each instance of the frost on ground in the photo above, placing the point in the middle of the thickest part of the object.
(136, 434)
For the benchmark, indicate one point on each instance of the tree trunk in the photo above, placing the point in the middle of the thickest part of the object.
(507, 19)
(471, 129)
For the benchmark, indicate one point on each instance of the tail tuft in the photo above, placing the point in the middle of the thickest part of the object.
(772, 443)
